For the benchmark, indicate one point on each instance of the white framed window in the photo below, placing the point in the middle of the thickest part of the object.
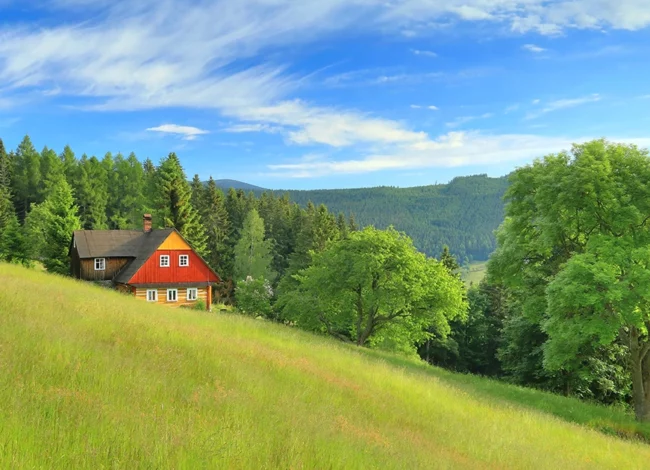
(100, 264)
(152, 295)
(192, 293)
(183, 260)
(172, 295)
(164, 261)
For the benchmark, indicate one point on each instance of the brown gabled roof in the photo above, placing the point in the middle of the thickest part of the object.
(107, 243)
(149, 243)
(122, 244)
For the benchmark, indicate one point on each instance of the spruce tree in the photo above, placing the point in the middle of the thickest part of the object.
(50, 225)
(26, 177)
(252, 252)
(6, 204)
(175, 203)
(69, 164)
(13, 245)
(215, 220)
(5, 167)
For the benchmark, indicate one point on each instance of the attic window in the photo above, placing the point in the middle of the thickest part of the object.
(164, 261)
(183, 260)
(100, 264)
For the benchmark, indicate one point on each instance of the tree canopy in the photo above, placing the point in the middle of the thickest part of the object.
(575, 249)
(373, 282)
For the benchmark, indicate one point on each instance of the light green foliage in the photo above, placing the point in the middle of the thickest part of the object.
(93, 379)
(373, 283)
(254, 297)
(50, 225)
(253, 253)
(574, 251)
(174, 202)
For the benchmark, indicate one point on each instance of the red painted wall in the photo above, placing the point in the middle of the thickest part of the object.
(152, 273)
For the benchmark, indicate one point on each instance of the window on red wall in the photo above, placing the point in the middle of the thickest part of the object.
(184, 260)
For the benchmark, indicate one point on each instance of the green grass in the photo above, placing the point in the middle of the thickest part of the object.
(474, 273)
(94, 379)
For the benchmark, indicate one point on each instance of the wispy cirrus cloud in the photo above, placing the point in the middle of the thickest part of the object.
(429, 107)
(212, 55)
(465, 119)
(564, 104)
(186, 132)
(533, 48)
(450, 150)
(424, 53)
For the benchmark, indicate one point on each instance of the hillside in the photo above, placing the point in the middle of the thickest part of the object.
(462, 214)
(227, 184)
(93, 379)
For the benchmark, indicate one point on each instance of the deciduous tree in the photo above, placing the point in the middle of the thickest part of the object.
(374, 281)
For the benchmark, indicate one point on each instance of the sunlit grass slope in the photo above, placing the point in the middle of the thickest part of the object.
(93, 379)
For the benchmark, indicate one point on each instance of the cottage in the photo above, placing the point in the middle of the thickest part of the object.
(154, 265)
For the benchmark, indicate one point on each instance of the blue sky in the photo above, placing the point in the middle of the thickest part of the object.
(326, 93)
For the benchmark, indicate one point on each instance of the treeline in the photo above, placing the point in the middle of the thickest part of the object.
(462, 214)
(303, 266)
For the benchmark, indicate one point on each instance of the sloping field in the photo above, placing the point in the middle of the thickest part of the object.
(93, 379)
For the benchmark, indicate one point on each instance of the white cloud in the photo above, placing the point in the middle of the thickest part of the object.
(151, 54)
(424, 53)
(430, 107)
(564, 104)
(450, 150)
(511, 108)
(241, 128)
(465, 119)
(533, 48)
(187, 132)
(536, 101)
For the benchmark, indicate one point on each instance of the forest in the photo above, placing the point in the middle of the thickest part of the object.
(563, 308)
(462, 214)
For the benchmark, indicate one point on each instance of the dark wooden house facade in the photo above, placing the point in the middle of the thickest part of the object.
(154, 265)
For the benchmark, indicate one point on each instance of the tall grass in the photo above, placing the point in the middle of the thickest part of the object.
(94, 379)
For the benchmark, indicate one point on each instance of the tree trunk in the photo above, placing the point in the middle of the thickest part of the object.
(640, 371)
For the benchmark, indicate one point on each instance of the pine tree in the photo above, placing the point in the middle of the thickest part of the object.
(50, 225)
(91, 191)
(252, 252)
(6, 204)
(51, 166)
(69, 164)
(149, 190)
(342, 225)
(449, 261)
(197, 193)
(13, 245)
(215, 220)
(5, 167)
(353, 224)
(130, 181)
(26, 177)
(174, 202)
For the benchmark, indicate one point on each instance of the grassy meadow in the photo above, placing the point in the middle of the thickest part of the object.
(474, 273)
(94, 379)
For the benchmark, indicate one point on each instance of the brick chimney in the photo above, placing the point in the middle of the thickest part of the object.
(146, 223)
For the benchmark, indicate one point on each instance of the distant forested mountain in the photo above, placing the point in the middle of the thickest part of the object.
(462, 214)
(227, 184)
